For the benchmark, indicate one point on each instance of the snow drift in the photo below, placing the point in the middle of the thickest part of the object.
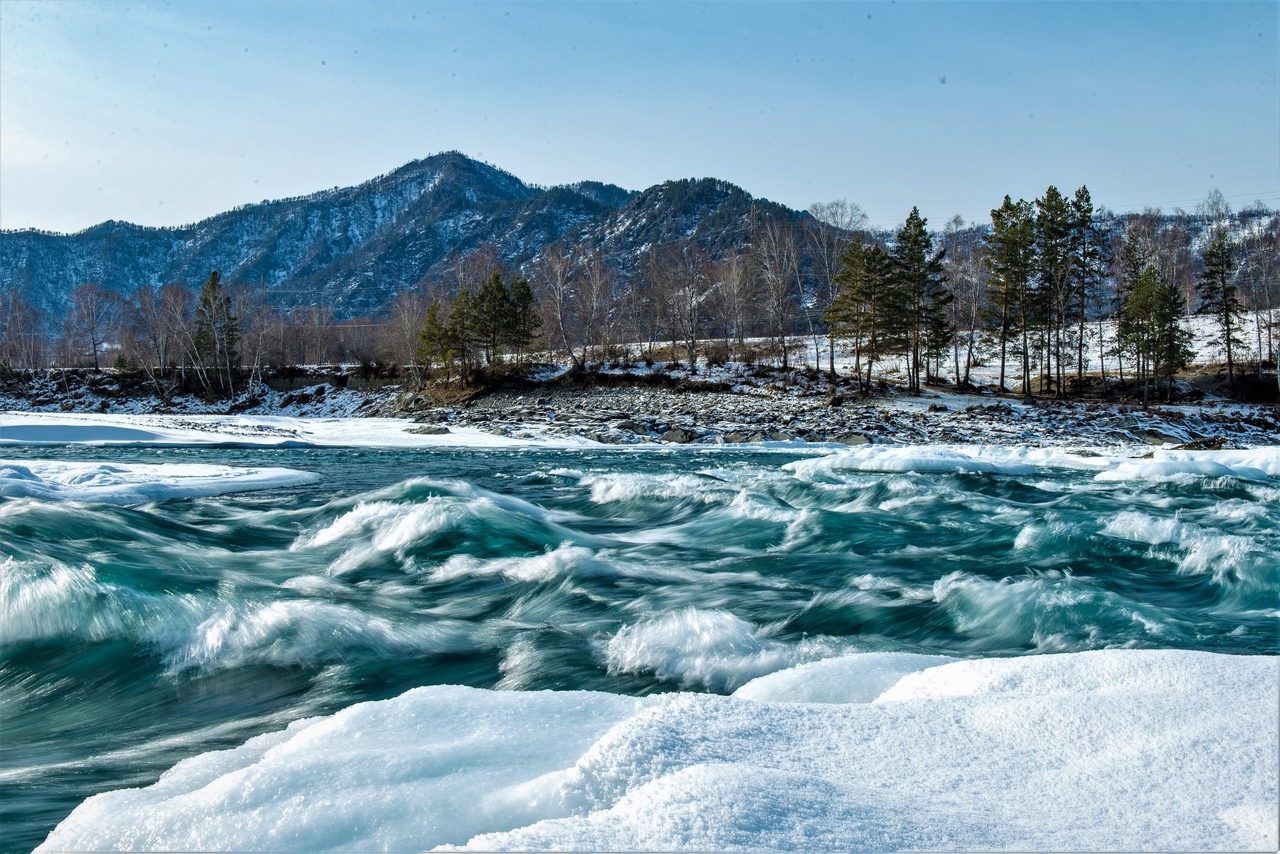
(1116, 749)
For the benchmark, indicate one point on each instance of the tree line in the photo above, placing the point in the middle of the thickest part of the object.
(1067, 295)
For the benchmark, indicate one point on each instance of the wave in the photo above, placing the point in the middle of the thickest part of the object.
(710, 649)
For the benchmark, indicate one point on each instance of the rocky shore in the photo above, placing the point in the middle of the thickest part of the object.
(635, 413)
(626, 416)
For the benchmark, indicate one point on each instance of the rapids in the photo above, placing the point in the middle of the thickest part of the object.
(135, 635)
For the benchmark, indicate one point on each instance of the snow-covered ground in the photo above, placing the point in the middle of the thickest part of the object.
(1108, 750)
(32, 428)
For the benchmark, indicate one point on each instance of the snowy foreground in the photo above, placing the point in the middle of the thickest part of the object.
(1114, 750)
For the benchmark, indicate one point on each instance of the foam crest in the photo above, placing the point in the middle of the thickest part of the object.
(1047, 612)
(1138, 527)
(415, 513)
(555, 563)
(1227, 558)
(292, 632)
(711, 649)
(40, 602)
(621, 488)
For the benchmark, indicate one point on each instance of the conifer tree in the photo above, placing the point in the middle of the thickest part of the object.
(433, 341)
(1010, 262)
(866, 308)
(1089, 257)
(1218, 294)
(523, 320)
(217, 333)
(923, 293)
(491, 317)
(1150, 328)
(1054, 274)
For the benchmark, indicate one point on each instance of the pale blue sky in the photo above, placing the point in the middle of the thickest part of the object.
(164, 113)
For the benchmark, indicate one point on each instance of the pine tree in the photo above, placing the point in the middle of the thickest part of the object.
(1218, 294)
(217, 333)
(866, 308)
(491, 318)
(1009, 259)
(460, 331)
(523, 320)
(433, 341)
(1089, 257)
(1150, 329)
(1054, 274)
(922, 290)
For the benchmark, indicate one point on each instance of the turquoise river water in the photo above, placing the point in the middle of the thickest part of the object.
(136, 636)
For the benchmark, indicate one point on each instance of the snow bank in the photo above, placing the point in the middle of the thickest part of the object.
(1118, 749)
(136, 483)
(898, 458)
(26, 428)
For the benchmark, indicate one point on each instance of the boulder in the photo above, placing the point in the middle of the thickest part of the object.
(677, 436)
(429, 430)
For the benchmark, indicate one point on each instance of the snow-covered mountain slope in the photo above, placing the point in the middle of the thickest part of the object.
(352, 249)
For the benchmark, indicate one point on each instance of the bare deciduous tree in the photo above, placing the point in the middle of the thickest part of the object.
(553, 277)
(94, 310)
(593, 304)
(834, 226)
(776, 260)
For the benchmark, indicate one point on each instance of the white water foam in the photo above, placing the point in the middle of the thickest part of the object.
(1228, 558)
(711, 649)
(1048, 612)
(41, 602)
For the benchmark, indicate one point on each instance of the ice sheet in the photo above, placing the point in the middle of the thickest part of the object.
(121, 483)
(1256, 464)
(1106, 750)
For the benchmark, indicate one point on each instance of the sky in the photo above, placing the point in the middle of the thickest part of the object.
(164, 113)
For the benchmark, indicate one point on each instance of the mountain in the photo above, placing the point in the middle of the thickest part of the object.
(354, 248)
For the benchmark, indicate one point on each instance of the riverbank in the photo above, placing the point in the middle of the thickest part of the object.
(646, 408)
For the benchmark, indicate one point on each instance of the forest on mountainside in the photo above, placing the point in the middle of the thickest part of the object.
(697, 272)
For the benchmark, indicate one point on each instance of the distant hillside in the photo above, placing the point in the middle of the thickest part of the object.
(354, 248)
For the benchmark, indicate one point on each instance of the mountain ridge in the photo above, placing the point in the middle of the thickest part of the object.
(354, 248)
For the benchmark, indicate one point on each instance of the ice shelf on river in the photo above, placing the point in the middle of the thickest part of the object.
(1114, 749)
(136, 483)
